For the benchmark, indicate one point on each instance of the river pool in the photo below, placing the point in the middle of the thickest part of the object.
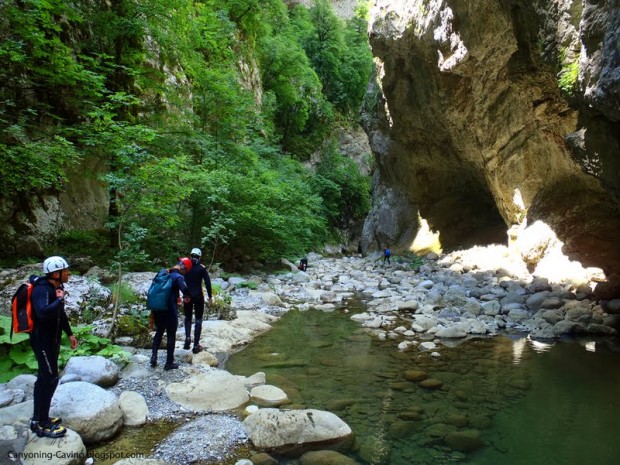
(503, 400)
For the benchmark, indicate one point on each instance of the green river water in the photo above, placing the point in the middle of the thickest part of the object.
(515, 401)
(522, 402)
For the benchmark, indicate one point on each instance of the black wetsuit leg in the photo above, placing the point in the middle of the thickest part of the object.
(188, 310)
(171, 334)
(47, 378)
(168, 322)
(199, 306)
(160, 326)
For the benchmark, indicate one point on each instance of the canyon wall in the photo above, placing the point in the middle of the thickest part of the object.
(490, 115)
(30, 223)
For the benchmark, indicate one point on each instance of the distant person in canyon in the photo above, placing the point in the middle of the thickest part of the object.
(386, 255)
(194, 279)
(50, 320)
(303, 264)
(168, 320)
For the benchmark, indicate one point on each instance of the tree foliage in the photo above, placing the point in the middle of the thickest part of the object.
(344, 190)
(339, 53)
(199, 149)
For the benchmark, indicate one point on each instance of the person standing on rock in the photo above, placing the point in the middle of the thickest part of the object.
(303, 264)
(168, 320)
(386, 256)
(194, 279)
(50, 320)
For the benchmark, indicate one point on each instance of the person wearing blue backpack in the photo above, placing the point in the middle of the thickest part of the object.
(168, 320)
(386, 255)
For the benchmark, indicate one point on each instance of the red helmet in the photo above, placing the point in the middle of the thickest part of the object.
(186, 262)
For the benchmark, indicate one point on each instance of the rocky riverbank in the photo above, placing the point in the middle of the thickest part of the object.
(418, 306)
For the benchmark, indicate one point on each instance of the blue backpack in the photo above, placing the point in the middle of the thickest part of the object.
(159, 293)
(387, 252)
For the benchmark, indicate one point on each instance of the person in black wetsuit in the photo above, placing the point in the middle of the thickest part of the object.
(194, 279)
(50, 320)
(303, 264)
(168, 320)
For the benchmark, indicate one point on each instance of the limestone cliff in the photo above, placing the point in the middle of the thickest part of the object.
(493, 114)
(31, 223)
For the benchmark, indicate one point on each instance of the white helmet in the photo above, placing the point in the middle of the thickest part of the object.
(52, 264)
(196, 251)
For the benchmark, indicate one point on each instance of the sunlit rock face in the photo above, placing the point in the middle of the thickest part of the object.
(345, 9)
(472, 132)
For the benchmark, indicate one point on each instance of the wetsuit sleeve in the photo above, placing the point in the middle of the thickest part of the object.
(46, 306)
(205, 275)
(64, 324)
(183, 286)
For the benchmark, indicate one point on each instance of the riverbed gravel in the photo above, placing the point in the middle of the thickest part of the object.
(208, 438)
(201, 438)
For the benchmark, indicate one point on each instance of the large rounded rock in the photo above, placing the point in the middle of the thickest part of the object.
(285, 430)
(18, 414)
(93, 369)
(88, 409)
(268, 395)
(68, 450)
(134, 408)
(214, 391)
(11, 397)
(23, 382)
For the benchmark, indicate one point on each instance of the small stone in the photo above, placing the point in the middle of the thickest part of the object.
(431, 383)
(415, 375)
(464, 441)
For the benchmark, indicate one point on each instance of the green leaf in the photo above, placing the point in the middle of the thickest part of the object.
(6, 376)
(5, 364)
(22, 355)
(5, 332)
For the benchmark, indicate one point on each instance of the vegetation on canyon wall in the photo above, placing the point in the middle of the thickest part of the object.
(202, 113)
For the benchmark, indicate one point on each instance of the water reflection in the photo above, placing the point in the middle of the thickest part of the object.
(540, 346)
(518, 346)
(468, 405)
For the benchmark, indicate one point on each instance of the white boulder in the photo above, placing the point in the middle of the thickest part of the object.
(270, 428)
(94, 413)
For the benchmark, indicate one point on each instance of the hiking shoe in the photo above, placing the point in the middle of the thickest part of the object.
(197, 349)
(188, 341)
(54, 421)
(153, 360)
(48, 430)
(33, 426)
(171, 366)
